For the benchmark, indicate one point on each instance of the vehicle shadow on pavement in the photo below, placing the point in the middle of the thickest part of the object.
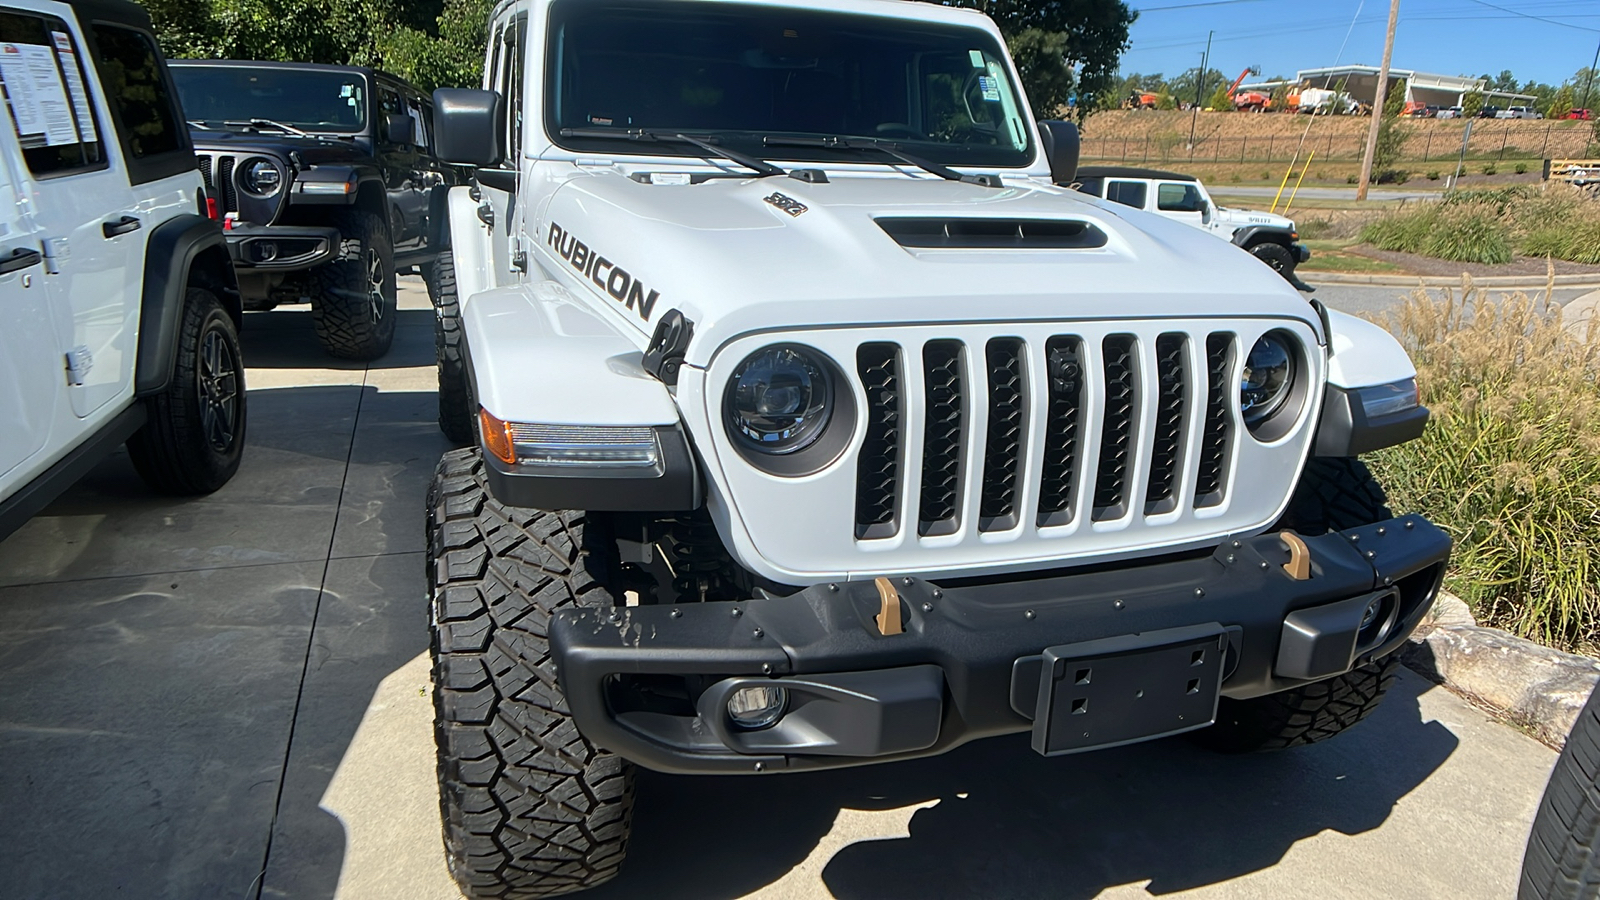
(997, 820)
(285, 339)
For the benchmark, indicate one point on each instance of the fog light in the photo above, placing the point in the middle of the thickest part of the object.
(757, 707)
(266, 251)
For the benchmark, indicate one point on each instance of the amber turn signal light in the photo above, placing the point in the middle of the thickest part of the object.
(497, 437)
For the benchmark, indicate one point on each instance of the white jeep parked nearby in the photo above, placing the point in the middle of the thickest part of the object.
(120, 310)
(1269, 237)
(811, 423)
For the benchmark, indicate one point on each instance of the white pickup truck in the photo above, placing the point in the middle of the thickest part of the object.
(811, 422)
(1269, 237)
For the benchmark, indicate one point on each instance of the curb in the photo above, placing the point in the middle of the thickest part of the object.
(1523, 282)
(1533, 686)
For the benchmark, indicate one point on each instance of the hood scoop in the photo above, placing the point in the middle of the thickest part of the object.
(993, 234)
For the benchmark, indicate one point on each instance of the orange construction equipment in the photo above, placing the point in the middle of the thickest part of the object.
(1141, 100)
(1251, 101)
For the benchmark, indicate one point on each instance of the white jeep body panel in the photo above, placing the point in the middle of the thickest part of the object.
(561, 295)
(1363, 354)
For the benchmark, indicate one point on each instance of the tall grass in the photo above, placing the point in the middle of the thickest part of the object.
(1510, 462)
(1488, 226)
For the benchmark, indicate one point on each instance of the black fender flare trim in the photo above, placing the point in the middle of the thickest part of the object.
(177, 246)
(1247, 235)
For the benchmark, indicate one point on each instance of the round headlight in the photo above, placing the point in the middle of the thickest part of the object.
(779, 399)
(1267, 380)
(261, 177)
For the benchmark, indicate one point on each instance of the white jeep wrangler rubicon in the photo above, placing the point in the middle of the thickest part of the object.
(1268, 237)
(813, 425)
(118, 304)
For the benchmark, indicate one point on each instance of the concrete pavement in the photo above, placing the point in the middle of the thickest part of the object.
(228, 698)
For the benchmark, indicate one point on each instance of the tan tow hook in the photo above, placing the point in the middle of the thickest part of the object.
(888, 617)
(1299, 564)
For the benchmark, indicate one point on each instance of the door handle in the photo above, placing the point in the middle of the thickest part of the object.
(20, 258)
(120, 226)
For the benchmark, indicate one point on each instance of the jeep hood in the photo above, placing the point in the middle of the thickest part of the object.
(738, 255)
(312, 150)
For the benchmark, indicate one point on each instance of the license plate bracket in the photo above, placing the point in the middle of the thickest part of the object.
(1121, 690)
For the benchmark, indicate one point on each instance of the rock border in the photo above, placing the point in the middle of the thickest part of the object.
(1530, 685)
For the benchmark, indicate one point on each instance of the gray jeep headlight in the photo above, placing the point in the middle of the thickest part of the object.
(1268, 378)
(261, 177)
(779, 399)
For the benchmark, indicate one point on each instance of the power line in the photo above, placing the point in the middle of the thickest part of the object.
(1195, 5)
(1524, 15)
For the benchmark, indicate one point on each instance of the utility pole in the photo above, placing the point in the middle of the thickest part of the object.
(1589, 82)
(1199, 85)
(1378, 102)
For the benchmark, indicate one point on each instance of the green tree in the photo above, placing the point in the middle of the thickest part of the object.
(1096, 33)
(1041, 58)
(1220, 98)
(1560, 103)
(1391, 134)
(1472, 105)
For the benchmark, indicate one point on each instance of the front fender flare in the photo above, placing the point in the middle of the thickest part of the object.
(1363, 355)
(184, 250)
(530, 344)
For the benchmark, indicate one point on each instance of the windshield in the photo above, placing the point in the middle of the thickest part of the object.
(307, 100)
(747, 73)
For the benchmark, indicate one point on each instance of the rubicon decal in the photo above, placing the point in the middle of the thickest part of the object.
(607, 275)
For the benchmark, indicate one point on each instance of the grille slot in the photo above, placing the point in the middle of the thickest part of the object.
(878, 466)
(942, 368)
(1166, 451)
(1007, 427)
(1117, 427)
(1059, 474)
(225, 190)
(1215, 437)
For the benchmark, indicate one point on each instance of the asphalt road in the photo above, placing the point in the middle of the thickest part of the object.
(229, 698)
(1377, 299)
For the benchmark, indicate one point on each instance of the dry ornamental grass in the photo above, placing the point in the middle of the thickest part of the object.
(1510, 462)
(1488, 226)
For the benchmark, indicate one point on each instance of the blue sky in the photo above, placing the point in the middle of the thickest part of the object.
(1448, 37)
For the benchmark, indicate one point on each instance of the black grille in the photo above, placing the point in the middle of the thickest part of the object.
(878, 467)
(1116, 434)
(1059, 474)
(1013, 234)
(941, 442)
(1166, 453)
(1214, 437)
(217, 170)
(1002, 447)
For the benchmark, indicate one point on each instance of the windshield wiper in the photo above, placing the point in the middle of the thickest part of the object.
(200, 124)
(258, 123)
(889, 147)
(639, 134)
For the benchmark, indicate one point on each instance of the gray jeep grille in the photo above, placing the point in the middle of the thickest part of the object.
(217, 170)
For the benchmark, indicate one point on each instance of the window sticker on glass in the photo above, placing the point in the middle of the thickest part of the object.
(38, 99)
(990, 87)
(75, 89)
(977, 58)
(347, 90)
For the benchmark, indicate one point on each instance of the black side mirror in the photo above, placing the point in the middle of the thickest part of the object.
(400, 129)
(466, 126)
(1060, 142)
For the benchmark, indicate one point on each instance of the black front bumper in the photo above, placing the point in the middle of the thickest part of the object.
(1301, 252)
(281, 248)
(969, 660)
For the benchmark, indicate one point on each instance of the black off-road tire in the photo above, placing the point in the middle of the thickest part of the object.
(193, 438)
(1334, 493)
(1277, 256)
(455, 397)
(1562, 861)
(353, 307)
(530, 807)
